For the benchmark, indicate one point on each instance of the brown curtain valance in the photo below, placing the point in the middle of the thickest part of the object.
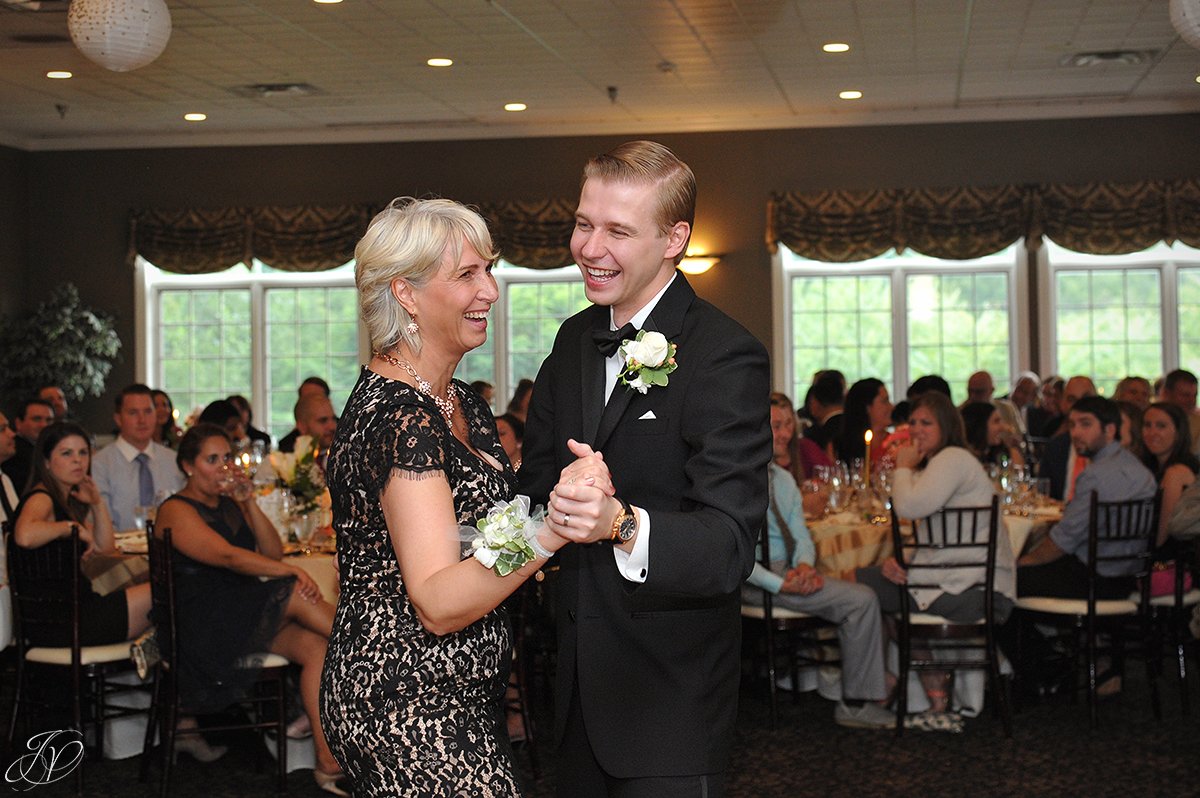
(315, 238)
(964, 223)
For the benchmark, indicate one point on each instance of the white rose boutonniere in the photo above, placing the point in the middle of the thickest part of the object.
(648, 360)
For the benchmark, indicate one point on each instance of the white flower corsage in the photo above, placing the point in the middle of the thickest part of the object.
(649, 358)
(507, 536)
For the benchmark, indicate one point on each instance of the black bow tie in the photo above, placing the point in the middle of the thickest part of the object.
(609, 341)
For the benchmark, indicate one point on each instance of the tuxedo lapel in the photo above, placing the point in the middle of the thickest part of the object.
(666, 318)
(591, 368)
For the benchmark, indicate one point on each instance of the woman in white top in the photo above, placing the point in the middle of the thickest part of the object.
(935, 471)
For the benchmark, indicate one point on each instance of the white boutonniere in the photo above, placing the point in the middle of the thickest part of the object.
(648, 360)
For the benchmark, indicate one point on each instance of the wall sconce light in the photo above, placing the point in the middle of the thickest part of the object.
(698, 264)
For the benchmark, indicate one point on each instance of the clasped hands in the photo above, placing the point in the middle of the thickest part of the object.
(802, 580)
(582, 505)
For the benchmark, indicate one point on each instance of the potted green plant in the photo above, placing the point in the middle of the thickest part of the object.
(63, 342)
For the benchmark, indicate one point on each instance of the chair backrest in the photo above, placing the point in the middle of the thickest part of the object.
(45, 584)
(162, 592)
(1121, 535)
(970, 533)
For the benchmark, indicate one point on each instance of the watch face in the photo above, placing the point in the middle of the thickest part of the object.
(627, 527)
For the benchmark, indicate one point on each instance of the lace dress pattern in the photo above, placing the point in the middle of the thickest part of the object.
(407, 712)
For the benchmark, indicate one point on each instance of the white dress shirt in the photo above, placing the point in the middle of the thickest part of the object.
(116, 474)
(632, 565)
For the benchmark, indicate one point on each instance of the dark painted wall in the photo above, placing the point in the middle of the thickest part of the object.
(79, 202)
(14, 223)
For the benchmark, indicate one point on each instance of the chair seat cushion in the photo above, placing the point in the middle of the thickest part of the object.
(1189, 598)
(929, 619)
(88, 655)
(1064, 606)
(264, 659)
(778, 613)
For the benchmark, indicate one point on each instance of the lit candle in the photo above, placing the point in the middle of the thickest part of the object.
(867, 436)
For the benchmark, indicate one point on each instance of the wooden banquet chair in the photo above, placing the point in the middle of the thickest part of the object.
(1135, 524)
(88, 668)
(1173, 611)
(800, 630)
(970, 645)
(267, 705)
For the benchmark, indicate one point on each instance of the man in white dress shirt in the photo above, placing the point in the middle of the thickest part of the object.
(133, 470)
(8, 506)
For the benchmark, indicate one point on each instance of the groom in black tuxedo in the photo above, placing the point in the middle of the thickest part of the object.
(663, 492)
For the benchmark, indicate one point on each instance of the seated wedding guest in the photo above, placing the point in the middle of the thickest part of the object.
(1133, 389)
(793, 453)
(980, 388)
(252, 432)
(1131, 427)
(133, 471)
(57, 398)
(796, 585)
(512, 434)
(1015, 406)
(1179, 389)
(989, 436)
(32, 416)
(824, 402)
(933, 472)
(1060, 462)
(166, 430)
(312, 386)
(1055, 566)
(867, 408)
(234, 594)
(899, 434)
(519, 404)
(225, 415)
(315, 418)
(64, 498)
(1043, 418)
(1168, 454)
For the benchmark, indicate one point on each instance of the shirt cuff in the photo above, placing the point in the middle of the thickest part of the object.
(632, 565)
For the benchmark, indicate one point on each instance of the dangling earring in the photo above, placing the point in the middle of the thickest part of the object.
(411, 328)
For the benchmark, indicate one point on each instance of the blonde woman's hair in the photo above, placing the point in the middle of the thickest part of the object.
(408, 240)
(651, 162)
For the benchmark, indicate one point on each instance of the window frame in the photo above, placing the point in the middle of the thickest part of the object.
(899, 267)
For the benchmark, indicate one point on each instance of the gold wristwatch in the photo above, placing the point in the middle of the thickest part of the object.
(624, 524)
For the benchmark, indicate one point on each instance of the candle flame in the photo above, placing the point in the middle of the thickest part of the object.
(868, 436)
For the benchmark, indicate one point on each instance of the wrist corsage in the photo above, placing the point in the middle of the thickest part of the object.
(506, 537)
(649, 358)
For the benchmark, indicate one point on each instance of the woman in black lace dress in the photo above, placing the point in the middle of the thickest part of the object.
(419, 655)
(234, 593)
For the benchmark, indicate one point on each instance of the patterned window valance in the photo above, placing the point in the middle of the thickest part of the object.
(964, 223)
(312, 238)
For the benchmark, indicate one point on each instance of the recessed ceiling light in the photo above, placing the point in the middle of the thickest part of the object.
(835, 47)
(1198, 78)
(327, 2)
(853, 94)
(439, 62)
(195, 117)
(59, 74)
(515, 106)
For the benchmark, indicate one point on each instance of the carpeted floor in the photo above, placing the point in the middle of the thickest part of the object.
(1052, 754)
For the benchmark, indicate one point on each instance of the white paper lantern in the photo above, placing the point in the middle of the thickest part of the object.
(121, 35)
(1185, 16)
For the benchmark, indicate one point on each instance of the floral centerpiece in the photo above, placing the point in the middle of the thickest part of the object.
(299, 472)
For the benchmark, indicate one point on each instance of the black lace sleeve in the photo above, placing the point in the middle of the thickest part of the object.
(416, 448)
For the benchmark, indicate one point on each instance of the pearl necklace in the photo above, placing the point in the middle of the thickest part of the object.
(445, 405)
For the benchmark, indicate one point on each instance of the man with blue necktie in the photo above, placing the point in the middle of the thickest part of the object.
(134, 471)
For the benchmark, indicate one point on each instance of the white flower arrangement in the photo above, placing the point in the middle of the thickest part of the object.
(299, 472)
(648, 360)
(507, 536)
